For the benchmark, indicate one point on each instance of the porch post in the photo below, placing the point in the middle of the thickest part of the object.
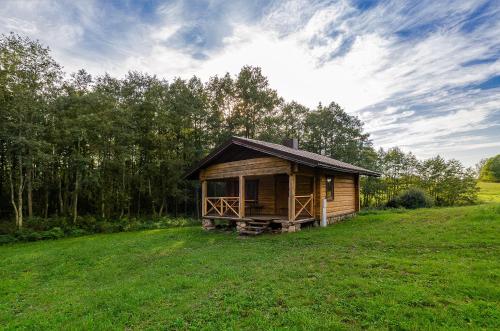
(357, 199)
(291, 197)
(242, 197)
(203, 198)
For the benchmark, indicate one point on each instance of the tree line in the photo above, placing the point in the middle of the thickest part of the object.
(447, 182)
(75, 144)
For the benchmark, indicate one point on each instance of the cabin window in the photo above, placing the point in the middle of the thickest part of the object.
(232, 188)
(252, 189)
(330, 184)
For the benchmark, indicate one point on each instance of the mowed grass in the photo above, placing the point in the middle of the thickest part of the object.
(422, 269)
(489, 192)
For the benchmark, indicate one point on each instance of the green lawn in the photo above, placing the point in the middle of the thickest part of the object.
(422, 269)
(489, 192)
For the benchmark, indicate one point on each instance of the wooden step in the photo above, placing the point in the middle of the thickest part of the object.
(250, 232)
(259, 223)
(255, 227)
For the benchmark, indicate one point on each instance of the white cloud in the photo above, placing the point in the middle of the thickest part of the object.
(413, 92)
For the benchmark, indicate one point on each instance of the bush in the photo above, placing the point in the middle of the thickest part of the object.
(490, 172)
(108, 227)
(411, 199)
(54, 233)
(76, 232)
(37, 228)
(27, 235)
(88, 223)
(7, 238)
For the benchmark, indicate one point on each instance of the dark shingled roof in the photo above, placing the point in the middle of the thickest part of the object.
(295, 155)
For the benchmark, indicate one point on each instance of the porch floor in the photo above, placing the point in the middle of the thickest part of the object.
(264, 217)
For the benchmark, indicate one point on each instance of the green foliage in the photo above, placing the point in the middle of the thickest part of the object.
(7, 239)
(447, 182)
(54, 228)
(411, 199)
(436, 267)
(332, 132)
(490, 171)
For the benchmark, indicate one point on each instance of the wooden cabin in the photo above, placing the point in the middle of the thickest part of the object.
(259, 186)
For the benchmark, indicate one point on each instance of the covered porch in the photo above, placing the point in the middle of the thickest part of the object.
(259, 203)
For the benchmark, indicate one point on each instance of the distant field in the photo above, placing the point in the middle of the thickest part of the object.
(489, 192)
(423, 269)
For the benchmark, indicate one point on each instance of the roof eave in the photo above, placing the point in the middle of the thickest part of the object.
(352, 171)
(281, 154)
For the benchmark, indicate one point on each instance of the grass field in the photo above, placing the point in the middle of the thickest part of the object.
(422, 269)
(489, 192)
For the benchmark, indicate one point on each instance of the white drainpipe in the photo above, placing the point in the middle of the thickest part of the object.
(323, 214)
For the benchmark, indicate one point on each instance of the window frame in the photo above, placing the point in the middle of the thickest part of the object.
(330, 186)
(256, 183)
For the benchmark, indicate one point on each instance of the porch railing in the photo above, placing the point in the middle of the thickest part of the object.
(223, 206)
(305, 204)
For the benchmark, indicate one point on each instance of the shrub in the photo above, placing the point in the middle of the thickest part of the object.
(27, 235)
(7, 238)
(412, 198)
(88, 223)
(54, 233)
(108, 227)
(76, 232)
(37, 228)
(490, 172)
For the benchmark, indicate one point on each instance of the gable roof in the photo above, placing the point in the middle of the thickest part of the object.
(295, 155)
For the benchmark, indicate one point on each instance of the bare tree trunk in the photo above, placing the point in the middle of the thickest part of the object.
(30, 191)
(160, 212)
(153, 204)
(60, 195)
(176, 205)
(12, 199)
(139, 203)
(46, 211)
(74, 205)
(124, 192)
(20, 188)
(185, 204)
(103, 206)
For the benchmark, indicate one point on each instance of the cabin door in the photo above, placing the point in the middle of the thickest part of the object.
(281, 195)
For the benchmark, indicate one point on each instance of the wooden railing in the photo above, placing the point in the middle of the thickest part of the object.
(304, 203)
(223, 206)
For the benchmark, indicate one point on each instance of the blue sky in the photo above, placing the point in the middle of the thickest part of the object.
(422, 75)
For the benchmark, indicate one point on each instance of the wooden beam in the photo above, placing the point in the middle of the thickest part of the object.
(356, 193)
(314, 197)
(203, 197)
(242, 197)
(291, 197)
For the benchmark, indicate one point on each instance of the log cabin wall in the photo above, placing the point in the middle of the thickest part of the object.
(250, 167)
(345, 200)
(263, 169)
(266, 194)
(319, 194)
(304, 185)
(272, 174)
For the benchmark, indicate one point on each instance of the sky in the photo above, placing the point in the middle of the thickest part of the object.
(422, 75)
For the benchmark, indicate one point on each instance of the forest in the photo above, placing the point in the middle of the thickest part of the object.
(74, 145)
